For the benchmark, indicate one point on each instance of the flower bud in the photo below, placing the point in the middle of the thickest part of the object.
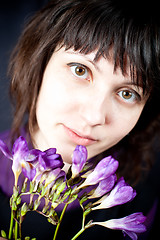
(104, 186)
(24, 209)
(120, 194)
(130, 225)
(104, 169)
(78, 160)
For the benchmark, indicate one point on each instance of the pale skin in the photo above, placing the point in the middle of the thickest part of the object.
(82, 101)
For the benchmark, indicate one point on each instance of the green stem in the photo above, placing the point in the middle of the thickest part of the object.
(16, 230)
(11, 226)
(20, 229)
(60, 220)
(78, 234)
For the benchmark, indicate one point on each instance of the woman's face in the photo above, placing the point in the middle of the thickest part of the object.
(83, 102)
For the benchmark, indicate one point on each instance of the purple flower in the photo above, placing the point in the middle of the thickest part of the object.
(50, 176)
(20, 155)
(104, 186)
(49, 160)
(44, 161)
(78, 160)
(105, 168)
(130, 225)
(31, 162)
(120, 194)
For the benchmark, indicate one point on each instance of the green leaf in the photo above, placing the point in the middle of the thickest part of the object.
(18, 201)
(44, 191)
(44, 210)
(24, 187)
(36, 204)
(61, 188)
(52, 220)
(87, 211)
(24, 209)
(72, 198)
(3, 234)
(83, 199)
(32, 185)
(50, 212)
(55, 197)
(14, 206)
(15, 193)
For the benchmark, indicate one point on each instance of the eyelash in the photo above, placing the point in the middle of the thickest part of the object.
(135, 96)
(73, 67)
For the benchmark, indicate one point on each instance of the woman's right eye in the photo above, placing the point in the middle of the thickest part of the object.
(79, 70)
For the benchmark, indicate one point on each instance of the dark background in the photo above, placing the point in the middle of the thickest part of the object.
(13, 15)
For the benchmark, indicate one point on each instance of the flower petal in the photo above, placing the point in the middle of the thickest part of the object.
(130, 225)
(20, 147)
(5, 150)
(28, 170)
(105, 168)
(104, 186)
(120, 194)
(78, 160)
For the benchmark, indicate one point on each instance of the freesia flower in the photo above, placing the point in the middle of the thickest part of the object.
(130, 225)
(120, 194)
(79, 159)
(50, 176)
(30, 162)
(105, 168)
(20, 156)
(47, 160)
(104, 186)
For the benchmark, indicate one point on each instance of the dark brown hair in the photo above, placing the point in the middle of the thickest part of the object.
(105, 26)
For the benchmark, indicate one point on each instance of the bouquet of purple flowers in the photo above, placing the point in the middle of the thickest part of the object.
(46, 182)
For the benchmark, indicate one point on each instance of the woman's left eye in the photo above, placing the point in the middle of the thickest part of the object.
(129, 96)
(79, 70)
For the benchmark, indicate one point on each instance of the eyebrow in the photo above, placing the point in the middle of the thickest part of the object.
(132, 83)
(87, 58)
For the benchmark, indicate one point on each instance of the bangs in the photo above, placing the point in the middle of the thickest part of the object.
(116, 36)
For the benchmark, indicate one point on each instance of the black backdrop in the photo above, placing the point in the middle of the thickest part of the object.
(13, 15)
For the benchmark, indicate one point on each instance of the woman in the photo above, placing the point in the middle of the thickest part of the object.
(88, 73)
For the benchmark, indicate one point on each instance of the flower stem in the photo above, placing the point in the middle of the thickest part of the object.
(16, 230)
(11, 226)
(78, 234)
(60, 220)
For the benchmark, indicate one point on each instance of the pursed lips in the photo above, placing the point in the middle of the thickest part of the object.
(79, 138)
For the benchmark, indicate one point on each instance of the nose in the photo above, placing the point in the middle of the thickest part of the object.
(96, 110)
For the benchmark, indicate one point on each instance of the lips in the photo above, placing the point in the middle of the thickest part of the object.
(79, 138)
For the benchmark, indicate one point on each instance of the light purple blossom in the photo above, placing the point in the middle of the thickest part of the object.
(104, 186)
(104, 169)
(20, 156)
(120, 194)
(78, 160)
(48, 160)
(50, 176)
(130, 225)
(31, 162)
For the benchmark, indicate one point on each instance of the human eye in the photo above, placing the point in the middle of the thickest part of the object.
(79, 70)
(129, 96)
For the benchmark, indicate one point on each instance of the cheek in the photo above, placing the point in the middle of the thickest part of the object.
(54, 101)
(128, 121)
